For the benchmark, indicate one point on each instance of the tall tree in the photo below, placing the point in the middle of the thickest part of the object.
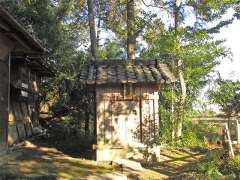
(195, 51)
(179, 62)
(226, 94)
(92, 28)
(131, 40)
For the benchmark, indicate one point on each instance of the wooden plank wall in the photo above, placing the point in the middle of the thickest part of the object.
(7, 45)
(109, 96)
(3, 104)
(5, 48)
(22, 115)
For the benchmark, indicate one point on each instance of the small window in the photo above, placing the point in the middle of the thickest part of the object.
(128, 90)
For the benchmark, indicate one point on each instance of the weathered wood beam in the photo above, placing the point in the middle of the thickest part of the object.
(3, 26)
(229, 140)
(22, 42)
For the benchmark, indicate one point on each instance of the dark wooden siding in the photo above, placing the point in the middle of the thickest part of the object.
(23, 108)
(3, 104)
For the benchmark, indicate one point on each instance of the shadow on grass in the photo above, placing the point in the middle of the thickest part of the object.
(178, 163)
(41, 160)
(74, 146)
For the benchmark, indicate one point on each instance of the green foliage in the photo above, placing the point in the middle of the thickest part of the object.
(194, 136)
(200, 52)
(193, 44)
(235, 164)
(111, 49)
(226, 94)
(219, 168)
(211, 169)
(63, 28)
(50, 22)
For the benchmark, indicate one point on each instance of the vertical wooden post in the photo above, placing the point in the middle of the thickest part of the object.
(140, 115)
(36, 104)
(238, 130)
(95, 113)
(229, 141)
(229, 123)
(154, 121)
(9, 96)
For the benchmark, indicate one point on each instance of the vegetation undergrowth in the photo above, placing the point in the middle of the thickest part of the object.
(219, 166)
(196, 137)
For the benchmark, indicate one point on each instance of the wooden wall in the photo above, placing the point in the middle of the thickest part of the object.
(23, 107)
(125, 122)
(10, 42)
(9, 133)
(5, 48)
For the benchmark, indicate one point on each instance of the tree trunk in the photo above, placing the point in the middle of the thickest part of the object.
(98, 25)
(179, 71)
(131, 41)
(92, 28)
(172, 117)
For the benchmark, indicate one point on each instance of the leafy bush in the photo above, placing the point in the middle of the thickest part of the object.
(219, 168)
(210, 169)
(234, 165)
(194, 136)
(199, 136)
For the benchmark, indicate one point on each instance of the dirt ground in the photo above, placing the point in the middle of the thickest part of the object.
(30, 160)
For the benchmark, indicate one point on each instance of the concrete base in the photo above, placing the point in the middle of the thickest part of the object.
(110, 154)
(125, 163)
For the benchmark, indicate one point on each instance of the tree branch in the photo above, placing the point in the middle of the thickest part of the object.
(150, 5)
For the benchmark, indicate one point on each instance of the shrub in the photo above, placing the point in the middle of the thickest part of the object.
(234, 165)
(210, 169)
(216, 168)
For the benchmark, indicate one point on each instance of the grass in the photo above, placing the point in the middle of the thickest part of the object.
(175, 162)
(32, 160)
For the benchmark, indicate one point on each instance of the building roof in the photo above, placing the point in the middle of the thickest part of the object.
(36, 63)
(17, 31)
(121, 71)
(10, 27)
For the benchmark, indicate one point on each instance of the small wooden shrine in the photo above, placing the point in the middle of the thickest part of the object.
(127, 104)
(22, 68)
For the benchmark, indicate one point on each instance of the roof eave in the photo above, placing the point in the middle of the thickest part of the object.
(13, 22)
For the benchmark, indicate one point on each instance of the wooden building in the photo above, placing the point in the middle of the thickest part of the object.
(21, 68)
(127, 105)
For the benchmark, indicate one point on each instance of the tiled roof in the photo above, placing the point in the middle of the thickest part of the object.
(121, 71)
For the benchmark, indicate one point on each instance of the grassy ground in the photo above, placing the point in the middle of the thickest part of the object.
(174, 163)
(30, 160)
(38, 161)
